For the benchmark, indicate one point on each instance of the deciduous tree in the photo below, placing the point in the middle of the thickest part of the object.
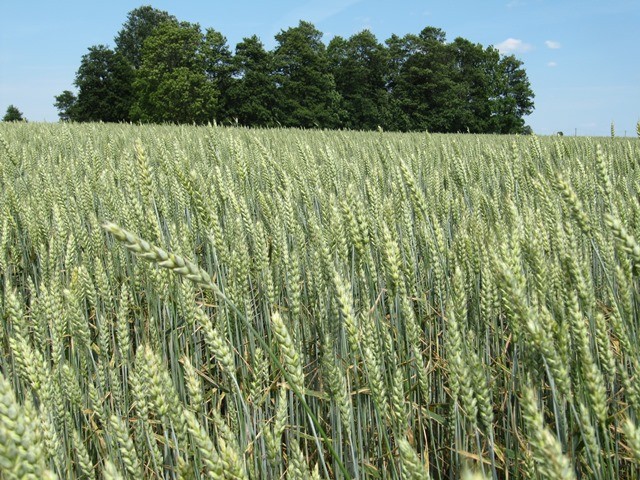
(360, 67)
(252, 94)
(171, 84)
(104, 82)
(218, 69)
(422, 84)
(163, 70)
(474, 70)
(140, 24)
(513, 97)
(13, 115)
(306, 91)
(65, 103)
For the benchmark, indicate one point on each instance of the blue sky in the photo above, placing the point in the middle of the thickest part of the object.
(582, 57)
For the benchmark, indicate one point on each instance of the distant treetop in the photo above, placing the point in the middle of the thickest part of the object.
(13, 115)
(164, 70)
(140, 24)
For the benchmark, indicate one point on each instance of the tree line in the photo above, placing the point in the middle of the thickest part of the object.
(166, 70)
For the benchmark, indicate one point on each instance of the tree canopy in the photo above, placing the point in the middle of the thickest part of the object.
(252, 92)
(13, 115)
(164, 70)
(360, 67)
(171, 84)
(65, 103)
(105, 87)
(141, 23)
(305, 88)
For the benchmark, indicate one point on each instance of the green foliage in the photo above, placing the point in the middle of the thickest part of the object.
(65, 103)
(306, 94)
(512, 98)
(252, 93)
(105, 92)
(141, 23)
(163, 70)
(13, 115)
(456, 87)
(171, 85)
(218, 68)
(421, 82)
(473, 77)
(360, 67)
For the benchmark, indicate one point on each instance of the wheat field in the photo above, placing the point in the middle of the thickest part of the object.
(206, 302)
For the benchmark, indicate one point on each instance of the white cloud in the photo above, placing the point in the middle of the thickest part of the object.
(513, 45)
(552, 64)
(552, 44)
